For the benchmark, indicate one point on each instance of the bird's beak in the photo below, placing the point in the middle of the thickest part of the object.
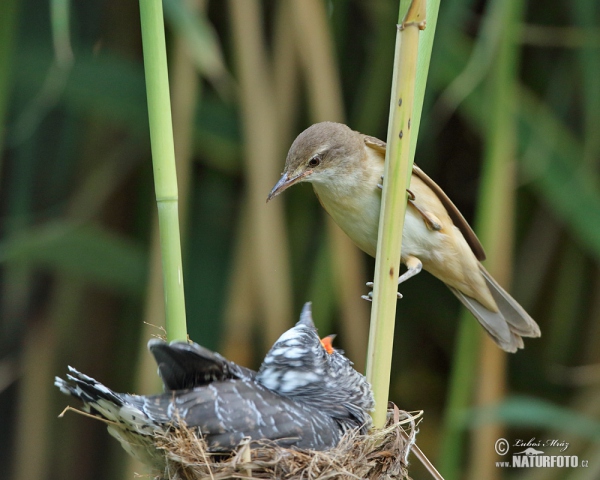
(285, 182)
(327, 343)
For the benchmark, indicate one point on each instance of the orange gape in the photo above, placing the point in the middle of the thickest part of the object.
(327, 343)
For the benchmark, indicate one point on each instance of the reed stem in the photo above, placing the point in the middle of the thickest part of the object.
(397, 173)
(163, 161)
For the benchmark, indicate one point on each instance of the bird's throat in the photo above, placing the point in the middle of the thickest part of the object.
(354, 207)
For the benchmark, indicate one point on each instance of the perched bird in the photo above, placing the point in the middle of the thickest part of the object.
(346, 167)
(303, 396)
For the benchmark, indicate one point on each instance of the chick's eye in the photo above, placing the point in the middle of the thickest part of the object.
(314, 161)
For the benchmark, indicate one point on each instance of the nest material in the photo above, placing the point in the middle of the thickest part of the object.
(382, 454)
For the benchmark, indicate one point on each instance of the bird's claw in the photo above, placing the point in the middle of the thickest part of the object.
(369, 297)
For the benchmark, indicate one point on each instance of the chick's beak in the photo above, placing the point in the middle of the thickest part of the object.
(327, 343)
(285, 181)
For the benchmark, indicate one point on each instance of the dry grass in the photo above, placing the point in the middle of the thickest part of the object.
(381, 454)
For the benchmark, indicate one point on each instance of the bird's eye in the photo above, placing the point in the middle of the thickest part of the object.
(314, 161)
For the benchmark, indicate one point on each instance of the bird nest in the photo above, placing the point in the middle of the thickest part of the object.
(382, 454)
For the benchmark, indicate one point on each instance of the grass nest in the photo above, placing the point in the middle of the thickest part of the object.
(382, 454)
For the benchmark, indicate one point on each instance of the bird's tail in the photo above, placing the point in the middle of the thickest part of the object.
(90, 393)
(100, 401)
(125, 415)
(509, 324)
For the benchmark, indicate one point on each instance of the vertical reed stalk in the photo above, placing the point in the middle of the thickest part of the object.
(241, 304)
(8, 33)
(494, 225)
(163, 155)
(263, 162)
(398, 168)
(316, 52)
(185, 96)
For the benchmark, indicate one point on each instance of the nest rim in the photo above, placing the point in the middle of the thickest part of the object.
(382, 453)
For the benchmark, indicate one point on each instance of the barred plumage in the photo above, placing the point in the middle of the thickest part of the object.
(301, 397)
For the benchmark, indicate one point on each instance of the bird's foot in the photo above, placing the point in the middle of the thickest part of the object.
(369, 297)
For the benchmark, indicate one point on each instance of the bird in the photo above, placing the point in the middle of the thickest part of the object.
(305, 395)
(345, 168)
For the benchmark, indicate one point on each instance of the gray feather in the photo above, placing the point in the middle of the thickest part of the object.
(509, 324)
(493, 322)
(224, 413)
(183, 365)
(303, 397)
(519, 320)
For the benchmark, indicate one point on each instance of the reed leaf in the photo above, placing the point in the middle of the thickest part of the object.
(89, 252)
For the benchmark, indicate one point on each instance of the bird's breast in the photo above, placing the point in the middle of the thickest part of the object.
(355, 211)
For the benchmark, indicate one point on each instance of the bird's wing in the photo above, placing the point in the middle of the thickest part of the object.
(228, 411)
(183, 365)
(375, 144)
(223, 412)
(518, 319)
(455, 215)
(493, 322)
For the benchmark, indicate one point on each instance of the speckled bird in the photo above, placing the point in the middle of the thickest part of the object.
(305, 395)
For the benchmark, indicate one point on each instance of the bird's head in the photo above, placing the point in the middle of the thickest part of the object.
(308, 369)
(322, 153)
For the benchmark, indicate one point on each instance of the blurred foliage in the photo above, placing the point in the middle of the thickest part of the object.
(76, 209)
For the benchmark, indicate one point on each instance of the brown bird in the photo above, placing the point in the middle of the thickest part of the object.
(345, 168)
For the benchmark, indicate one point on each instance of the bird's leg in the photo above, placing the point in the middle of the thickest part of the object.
(414, 266)
(413, 263)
